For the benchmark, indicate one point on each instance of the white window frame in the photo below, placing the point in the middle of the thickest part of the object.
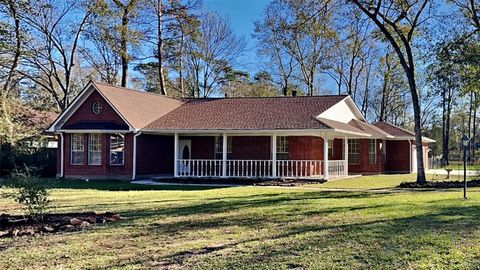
(374, 141)
(91, 142)
(219, 145)
(330, 148)
(352, 142)
(82, 149)
(282, 147)
(97, 107)
(110, 151)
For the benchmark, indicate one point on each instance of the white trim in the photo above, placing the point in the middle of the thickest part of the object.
(375, 151)
(410, 159)
(325, 158)
(88, 149)
(110, 151)
(224, 155)
(62, 154)
(71, 150)
(345, 155)
(274, 154)
(134, 157)
(175, 155)
(350, 104)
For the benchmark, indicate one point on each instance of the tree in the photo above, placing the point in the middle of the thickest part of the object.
(210, 55)
(304, 30)
(127, 10)
(55, 35)
(11, 45)
(398, 21)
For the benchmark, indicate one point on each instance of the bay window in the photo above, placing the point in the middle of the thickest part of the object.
(117, 149)
(77, 149)
(94, 149)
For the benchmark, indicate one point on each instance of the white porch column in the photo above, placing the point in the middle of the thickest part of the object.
(175, 156)
(325, 158)
(224, 155)
(274, 155)
(345, 155)
(62, 154)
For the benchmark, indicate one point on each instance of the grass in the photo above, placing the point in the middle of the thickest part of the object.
(176, 227)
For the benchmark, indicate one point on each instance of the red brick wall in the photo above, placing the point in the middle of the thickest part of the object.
(364, 166)
(154, 154)
(251, 147)
(398, 156)
(105, 169)
(84, 112)
(305, 147)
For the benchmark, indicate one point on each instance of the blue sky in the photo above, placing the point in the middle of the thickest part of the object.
(242, 15)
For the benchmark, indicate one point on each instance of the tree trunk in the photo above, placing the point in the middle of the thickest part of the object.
(421, 178)
(124, 47)
(161, 77)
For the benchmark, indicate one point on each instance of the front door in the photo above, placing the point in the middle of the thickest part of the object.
(185, 153)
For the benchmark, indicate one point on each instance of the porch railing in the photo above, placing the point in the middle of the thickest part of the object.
(259, 168)
(336, 168)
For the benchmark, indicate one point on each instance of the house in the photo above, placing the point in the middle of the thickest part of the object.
(113, 132)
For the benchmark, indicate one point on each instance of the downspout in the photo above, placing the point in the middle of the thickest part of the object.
(134, 167)
(62, 154)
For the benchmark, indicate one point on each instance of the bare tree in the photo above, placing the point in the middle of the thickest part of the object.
(52, 51)
(210, 55)
(398, 21)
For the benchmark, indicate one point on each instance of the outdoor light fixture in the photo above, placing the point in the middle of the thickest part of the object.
(465, 142)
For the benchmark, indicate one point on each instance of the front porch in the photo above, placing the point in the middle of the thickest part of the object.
(278, 156)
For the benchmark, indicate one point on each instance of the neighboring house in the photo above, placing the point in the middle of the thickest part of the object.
(114, 132)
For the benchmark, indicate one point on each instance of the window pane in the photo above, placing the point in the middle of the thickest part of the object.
(95, 149)
(77, 149)
(372, 149)
(282, 148)
(219, 145)
(353, 151)
(117, 145)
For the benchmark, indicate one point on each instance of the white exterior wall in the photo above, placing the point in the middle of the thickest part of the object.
(340, 112)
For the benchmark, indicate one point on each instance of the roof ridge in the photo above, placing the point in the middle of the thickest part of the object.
(272, 97)
(135, 90)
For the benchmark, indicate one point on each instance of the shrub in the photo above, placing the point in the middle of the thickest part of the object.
(29, 192)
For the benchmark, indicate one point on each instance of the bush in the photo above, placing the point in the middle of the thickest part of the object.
(29, 192)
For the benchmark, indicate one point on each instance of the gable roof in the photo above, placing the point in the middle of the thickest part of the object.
(136, 108)
(269, 113)
(369, 128)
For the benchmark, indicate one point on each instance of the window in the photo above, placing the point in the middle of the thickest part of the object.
(219, 146)
(282, 148)
(117, 146)
(353, 151)
(97, 107)
(372, 151)
(330, 148)
(94, 149)
(77, 149)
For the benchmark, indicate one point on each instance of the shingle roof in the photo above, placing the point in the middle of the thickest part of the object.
(368, 128)
(137, 107)
(247, 114)
(394, 130)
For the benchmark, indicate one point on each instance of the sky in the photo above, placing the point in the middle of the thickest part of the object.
(242, 15)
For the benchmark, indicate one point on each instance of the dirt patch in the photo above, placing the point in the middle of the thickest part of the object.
(243, 181)
(13, 226)
(440, 184)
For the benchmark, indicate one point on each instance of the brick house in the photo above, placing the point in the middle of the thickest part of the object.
(113, 132)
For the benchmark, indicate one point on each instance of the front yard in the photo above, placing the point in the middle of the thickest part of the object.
(304, 227)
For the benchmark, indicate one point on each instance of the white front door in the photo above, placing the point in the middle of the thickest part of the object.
(184, 154)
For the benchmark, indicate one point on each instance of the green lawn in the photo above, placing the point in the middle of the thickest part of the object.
(258, 228)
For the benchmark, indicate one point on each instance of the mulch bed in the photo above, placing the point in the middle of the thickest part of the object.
(440, 184)
(13, 226)
(243, 181)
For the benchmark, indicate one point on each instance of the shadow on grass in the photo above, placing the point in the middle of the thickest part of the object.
(115, 185)
(368, 241)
